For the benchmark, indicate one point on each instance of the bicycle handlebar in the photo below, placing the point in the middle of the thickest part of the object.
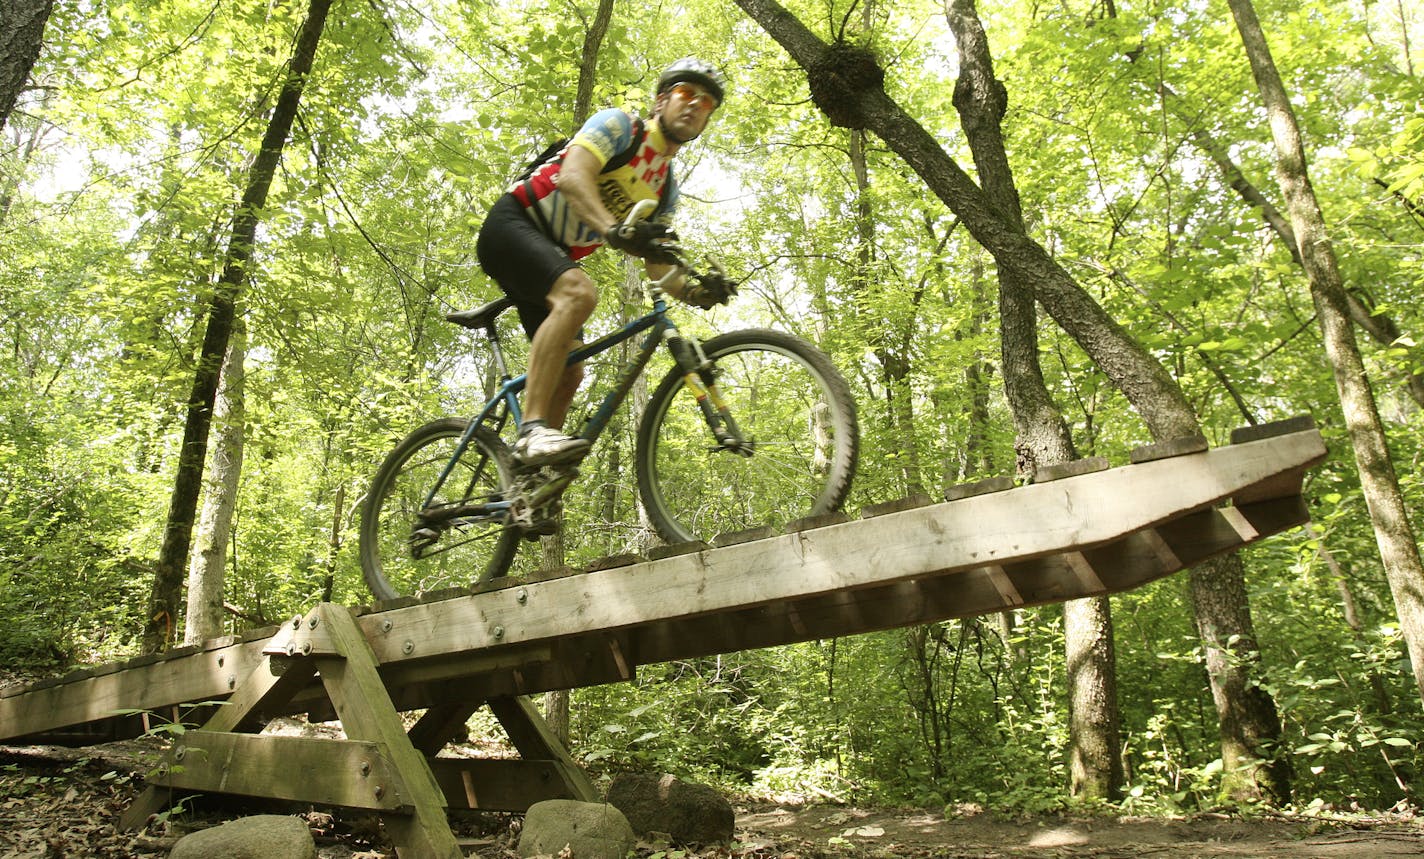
(681, 266)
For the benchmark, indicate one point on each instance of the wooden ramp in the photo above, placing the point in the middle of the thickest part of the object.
(1078, 530)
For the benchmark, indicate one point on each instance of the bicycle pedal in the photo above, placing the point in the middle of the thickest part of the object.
(547, 492)
(422, 539)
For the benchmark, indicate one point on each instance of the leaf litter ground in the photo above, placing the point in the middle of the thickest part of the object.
(57, 803)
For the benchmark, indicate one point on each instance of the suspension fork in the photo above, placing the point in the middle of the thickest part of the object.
(699, 376)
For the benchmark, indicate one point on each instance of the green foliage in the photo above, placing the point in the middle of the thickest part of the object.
(122, 173)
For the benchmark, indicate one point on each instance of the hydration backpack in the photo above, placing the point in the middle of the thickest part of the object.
(618, 160)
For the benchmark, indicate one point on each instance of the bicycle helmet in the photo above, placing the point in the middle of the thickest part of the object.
(696, 71)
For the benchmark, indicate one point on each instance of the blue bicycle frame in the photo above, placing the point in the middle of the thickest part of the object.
(504, 405)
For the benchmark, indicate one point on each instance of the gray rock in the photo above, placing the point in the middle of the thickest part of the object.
(691, 813)
(266, 836)
(591, 830)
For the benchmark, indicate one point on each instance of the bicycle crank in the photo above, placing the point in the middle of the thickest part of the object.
(534, 491)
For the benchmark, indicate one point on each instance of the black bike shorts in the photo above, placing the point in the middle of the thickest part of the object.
(521, 259)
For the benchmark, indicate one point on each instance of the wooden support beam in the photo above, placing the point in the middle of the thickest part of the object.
(532, 736)
(499, 785)
(367, 713)
(266, 684)
(434, 730)
(348, 773)
(1085, 574)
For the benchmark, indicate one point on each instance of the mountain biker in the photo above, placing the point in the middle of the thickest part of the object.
(536, 233)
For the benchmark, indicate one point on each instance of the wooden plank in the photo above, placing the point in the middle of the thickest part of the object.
(677, 549)
(1130, 562)
(347, 773)
(1068, 514)
(610, 562)
(909, 502)
(810, 523)
(1300, 424)
(367, 713)
(202, 676)
(1076, 468)
(1172, 447)
(747, 535)
(1002, 483)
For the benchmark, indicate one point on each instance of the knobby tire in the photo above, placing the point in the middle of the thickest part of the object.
(788, 398)
(464, 554)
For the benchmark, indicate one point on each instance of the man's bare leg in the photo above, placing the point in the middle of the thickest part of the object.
(551, 385)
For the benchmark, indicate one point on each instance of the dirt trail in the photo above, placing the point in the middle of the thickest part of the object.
(57, 802)
(856, 832)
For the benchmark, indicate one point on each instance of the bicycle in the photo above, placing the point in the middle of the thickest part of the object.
(773, 438)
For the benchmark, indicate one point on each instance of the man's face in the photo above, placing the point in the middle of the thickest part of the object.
(684, 109)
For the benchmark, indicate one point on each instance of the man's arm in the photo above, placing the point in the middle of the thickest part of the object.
(578, 182)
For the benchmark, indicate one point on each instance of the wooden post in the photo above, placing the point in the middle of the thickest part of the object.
(367, 713)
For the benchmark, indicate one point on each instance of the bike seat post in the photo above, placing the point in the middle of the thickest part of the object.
(492, 335)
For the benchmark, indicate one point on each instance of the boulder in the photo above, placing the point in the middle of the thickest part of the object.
(590, 830)
(691, 813)
(266, 836)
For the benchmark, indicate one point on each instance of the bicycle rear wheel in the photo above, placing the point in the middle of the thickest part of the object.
(789, 400)
(457, 549)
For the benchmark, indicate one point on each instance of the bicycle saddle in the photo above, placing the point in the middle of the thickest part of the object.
(481, 317)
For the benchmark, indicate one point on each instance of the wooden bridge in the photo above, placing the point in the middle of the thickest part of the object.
(1078, 530)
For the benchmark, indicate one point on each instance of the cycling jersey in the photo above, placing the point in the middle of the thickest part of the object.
(646, 176)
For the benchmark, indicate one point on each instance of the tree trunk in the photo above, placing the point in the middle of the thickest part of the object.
(1095, 767)
(206, 571)
(178, 532)
(588, 63)
(1247, 718)
(848, 86)
(1393, 532)
(22, 24)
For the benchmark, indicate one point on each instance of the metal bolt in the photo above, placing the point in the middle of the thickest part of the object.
(314, 621)
(306, 648)
(380, 791)
(365, 768)
(232, 681)
(291, 649)
(386, 626)
(220, 661)
(408, 647)
(179, 753)
(498, 632)
(522, 596)
(297, 622)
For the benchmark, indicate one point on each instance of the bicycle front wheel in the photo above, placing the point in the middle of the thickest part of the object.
(408, 548)
(788, 401)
